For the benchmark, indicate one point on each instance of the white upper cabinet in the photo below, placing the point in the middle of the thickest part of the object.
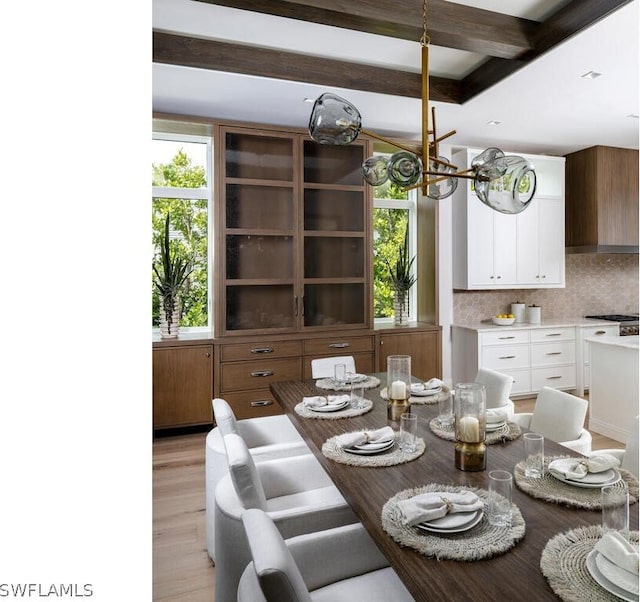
(493, 250)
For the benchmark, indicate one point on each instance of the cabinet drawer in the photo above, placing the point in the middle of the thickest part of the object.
(561, 352)
(558, 377)
(260, 350)
(337, 346)
(253, 404)
(594, 332)
(553, 334)
(504, 337)
(505, 358)
(521, 381)
(239, 376)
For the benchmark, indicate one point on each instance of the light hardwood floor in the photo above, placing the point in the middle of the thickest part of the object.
(182, 570)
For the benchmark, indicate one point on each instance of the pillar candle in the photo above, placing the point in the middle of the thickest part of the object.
(398, 390)
(469, 429)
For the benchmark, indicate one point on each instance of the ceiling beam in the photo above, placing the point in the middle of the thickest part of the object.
(449, 24)
(262, 62)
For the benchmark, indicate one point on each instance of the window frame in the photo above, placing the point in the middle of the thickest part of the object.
(203, 193)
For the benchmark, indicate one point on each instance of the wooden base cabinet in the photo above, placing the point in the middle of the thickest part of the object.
(423, 347)
(182, 386)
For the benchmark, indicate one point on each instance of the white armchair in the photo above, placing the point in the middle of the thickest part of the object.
(559, 416)
(629, 456)
(267, 438)
(323, 367)
(296, 492)
(336, 565)
(498, 389)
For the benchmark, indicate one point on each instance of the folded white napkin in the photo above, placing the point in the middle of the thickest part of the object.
(433, 383)
(429, 506)
(496, 416)
(578, 468)
(619, 551)
(319, 401)
(378, 436)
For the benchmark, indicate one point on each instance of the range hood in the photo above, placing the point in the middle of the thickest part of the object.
(601, 200)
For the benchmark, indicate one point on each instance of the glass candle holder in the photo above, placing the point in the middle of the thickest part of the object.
(398, 386)
(470, 421)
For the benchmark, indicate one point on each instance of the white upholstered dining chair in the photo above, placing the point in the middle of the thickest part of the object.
(629, 456)
(323, 367)
(295, 492)
(560, 417)
(498, 389)
(267, 437)
(336, 565)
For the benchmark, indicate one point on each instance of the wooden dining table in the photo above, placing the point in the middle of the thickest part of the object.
(512, 575)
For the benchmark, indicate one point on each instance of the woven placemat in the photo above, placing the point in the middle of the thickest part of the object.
(481, 541)
(333, 451)
(425, 400)
(550, 489)
(563, 563)
(371, 382)
(348, 412)
(508, 432)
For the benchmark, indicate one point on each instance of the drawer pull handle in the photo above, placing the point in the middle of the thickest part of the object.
(262, 350)
(263, 373)
(507, 357)
(600, 332)
(339, 345)
(554, 334)
(553, 377)
(503, 338)
(261, 403)
(554, 353)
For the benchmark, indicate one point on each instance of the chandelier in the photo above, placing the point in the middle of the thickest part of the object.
(506, 183)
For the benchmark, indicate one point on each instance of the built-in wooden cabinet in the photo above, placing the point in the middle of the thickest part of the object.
(602, 200)
(492, 250)
(294, 249)
(424, 347)
(182, 385)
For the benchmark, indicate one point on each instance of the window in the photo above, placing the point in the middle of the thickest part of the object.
(181, 187)
(394, 212)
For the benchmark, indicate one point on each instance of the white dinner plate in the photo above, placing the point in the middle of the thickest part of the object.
(419, 391)
(470, 520)
(495, 426)
(374, 445)
(330, 407)
(368, 451)
(621, 577)
(612, 476)
(603, 582)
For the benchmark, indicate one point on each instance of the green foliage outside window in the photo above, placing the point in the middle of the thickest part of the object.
(389, 228)
(189, 237)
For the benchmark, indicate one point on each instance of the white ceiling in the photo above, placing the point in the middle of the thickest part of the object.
(545, 107)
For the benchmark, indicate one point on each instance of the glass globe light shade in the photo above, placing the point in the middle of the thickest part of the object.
(404, 169)
(375, 170)
(334, 120)
(489, 155)
(444, 188)
(510, 192)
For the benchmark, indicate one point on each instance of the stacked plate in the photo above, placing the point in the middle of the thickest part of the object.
(613, 578)
(352, 379)
(592, 480)
(369, 449)
(452, 523)
(331, 407)
(421, 390)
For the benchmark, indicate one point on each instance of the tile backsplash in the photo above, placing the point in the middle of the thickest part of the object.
(595, 284)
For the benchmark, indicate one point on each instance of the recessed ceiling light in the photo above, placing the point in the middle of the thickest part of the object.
(590, 75)
(307, 99)
(494, 122)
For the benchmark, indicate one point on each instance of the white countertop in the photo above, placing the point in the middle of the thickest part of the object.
(630, 342)
(548, 323)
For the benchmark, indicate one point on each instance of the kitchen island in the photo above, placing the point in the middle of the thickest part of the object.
(613, 397)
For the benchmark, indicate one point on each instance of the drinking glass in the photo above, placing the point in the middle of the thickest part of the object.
(445, 410)
(408, 432)
(340, 374)
(500, 488)
(533, 455)
(615, 509)
(357, 397)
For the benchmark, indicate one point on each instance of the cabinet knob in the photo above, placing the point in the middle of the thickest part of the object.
(207, 354)
(499, 277)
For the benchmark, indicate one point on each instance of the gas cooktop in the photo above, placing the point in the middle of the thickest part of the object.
(615, 318)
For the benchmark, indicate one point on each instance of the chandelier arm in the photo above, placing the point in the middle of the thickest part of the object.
(441, 162)
(410, 149)
(443, 137)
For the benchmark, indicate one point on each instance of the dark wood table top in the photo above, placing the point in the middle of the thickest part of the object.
(513, 575)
